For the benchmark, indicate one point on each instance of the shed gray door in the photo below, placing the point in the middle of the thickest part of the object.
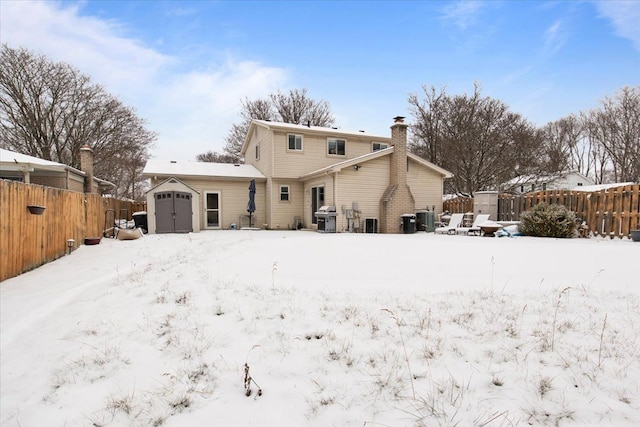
(173, 212)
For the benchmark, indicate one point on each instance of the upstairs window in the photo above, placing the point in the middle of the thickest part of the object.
(336, 147)
(295, 142)
(258, 152)
(377, 146)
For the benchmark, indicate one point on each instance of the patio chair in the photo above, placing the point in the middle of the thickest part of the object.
(475, 228)
(454, 222)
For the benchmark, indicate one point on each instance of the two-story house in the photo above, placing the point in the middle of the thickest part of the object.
(371, 180)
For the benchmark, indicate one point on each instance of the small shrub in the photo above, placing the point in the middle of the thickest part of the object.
(545, 220)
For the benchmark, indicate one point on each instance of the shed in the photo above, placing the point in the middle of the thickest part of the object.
(172, 207)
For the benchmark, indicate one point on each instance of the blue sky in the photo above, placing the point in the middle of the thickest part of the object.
(185, 65)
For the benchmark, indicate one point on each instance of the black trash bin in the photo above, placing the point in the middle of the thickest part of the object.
(140, 220)
(409, 223)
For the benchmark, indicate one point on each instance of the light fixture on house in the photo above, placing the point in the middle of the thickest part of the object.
(357, 167)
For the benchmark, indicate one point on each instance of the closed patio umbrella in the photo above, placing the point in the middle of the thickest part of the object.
(251, 206)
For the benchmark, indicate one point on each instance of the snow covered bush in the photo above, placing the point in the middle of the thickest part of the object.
(545, 220)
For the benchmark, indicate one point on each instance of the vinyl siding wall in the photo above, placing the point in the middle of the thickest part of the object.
(293, 164)
(426, 186)
(284, 213)
(364, 186)
(264, 138)
(234, 196)
(68, 183)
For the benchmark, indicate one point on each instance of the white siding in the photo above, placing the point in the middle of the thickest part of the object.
(426, 187)
(284, 213)
(364, 186)
(234, 196)
(293, 164)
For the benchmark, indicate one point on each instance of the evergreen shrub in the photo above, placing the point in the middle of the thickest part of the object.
(545, 220)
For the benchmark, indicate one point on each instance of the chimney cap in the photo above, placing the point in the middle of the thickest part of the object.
(398, 119)
(86, 147)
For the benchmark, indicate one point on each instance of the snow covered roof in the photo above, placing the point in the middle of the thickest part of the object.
(310, 129)
(370, 156)
(204, 169)
(346, 163)
(599, 187)
(8, 157)
(328, 130)
(13, 161)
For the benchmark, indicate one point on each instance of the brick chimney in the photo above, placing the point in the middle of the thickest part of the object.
(86, 166)
(399, 157)
(397, 199)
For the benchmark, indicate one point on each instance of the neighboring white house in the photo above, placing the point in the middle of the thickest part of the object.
(33, 170)
(528, 184)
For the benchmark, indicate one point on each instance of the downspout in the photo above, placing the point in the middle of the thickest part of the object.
(335, 193)
(270, 179)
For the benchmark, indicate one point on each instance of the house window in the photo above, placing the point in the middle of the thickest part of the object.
(579, 184)
(544, 185)
(257, 151)
(336, 147)
(377, 146)
(295, 142)
(284, 193)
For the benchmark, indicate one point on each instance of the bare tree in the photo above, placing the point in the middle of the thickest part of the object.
(559, 139)
(616, 128)
(50, 110)
(212, 157)
(477, 138)
(295, 107)
(427, 129)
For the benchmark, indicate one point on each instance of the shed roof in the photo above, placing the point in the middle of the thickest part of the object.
(202, 169)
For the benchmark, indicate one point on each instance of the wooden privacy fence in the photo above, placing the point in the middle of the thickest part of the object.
(29, 240)
(458, 205)
(609, 212)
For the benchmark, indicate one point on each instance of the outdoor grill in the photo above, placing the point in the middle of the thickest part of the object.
(326, 216)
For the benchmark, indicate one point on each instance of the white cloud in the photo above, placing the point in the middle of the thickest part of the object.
(461, 13)
(625, 17)
(194, 111)
(191, 110)
(555, 37)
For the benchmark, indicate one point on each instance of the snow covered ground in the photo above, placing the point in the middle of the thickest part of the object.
(336, 330)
